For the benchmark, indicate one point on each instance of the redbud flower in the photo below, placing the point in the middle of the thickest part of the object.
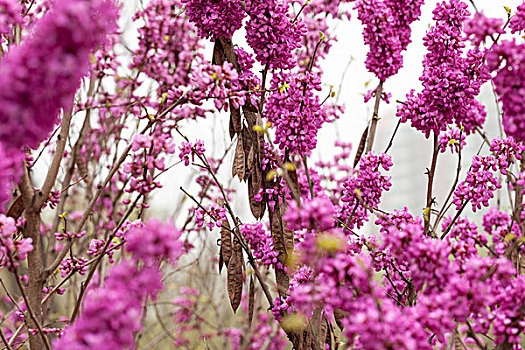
(271, 33)
(215, 18)
(317, 213)
(11, 248)
(10, 168)
(508, 60)
(45, 71)
(154, 242)
(10, 14)
(261, 243)
(387, 32)
(453, 139)
(479, 28)
(517, 22)
(296, 112)
(69, 265)
(362, 192)
(111, 314)
(450, 79)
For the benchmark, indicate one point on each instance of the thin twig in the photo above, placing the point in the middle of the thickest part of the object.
(243, 245)
(392, 138)
(431, 174)
(49, 182)
(375, 118)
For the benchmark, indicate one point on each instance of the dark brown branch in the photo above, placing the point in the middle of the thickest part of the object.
(375, 118)
(431, 174)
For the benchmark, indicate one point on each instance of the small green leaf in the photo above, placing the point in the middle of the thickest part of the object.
(271, 174)
(289, 166)
(258, 128)
(509, 237)
(295, 323)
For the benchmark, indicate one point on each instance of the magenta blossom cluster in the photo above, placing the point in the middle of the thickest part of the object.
(387, 32)
(411, 248)
(168, 44)
(508, 60)
(295, 111)
(215, 18)
(272, 34)
(155, 241)
(378, 323)
(479, 28)
(451, 80)
(72, 265)
(398, 219)
(10, 14)
(12, 248)
(261, 243)
(448, 288)
(10, 168)
(481, 182)
(220, 83)
(317, 213)
(517, 22)
(499, 225)
(508, 321)
(59, 50)
(69, 235)
(187, 149)
(112, 314)
(344, 282)
(247, 79)
(506, 151)
(453, 138)
(300, 294)
(148, 157)
(96, 246)
(479, 185)
(216, 213)
(463, 237)
(362, 192)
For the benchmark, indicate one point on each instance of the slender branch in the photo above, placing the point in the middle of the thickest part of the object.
(4, 340)
(15, 334)
(375, 118)
(449, 227)
(49, 182)
(453, 187)
(431, 174)
(300, 10)
(472, 335)
(251, 259)
(99, 192)
(310, 182)
(263, 86)
(99, 258)
(392, 138)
